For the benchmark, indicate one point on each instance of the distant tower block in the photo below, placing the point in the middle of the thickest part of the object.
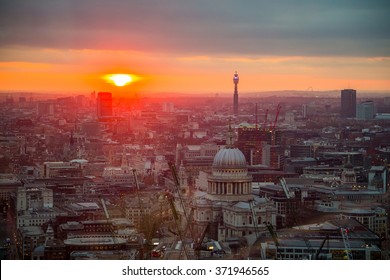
(348, 103)
(235, 96)
(104, 104)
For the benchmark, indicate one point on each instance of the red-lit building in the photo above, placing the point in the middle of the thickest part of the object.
(104, 104)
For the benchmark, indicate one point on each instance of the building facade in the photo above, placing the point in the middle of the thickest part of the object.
(365, 111)
(34, 198)
(348, 103)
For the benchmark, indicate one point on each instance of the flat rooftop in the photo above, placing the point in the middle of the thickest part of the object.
(91, 241)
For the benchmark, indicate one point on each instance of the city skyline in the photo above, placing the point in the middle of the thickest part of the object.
(80, 170)
(194, 130)
(186, 47)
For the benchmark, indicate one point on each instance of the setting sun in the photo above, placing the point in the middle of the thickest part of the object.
(119, 80)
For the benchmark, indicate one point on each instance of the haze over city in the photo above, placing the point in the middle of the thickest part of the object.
(194, 130)
(177, 46)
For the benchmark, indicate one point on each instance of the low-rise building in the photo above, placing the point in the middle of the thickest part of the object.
(323, 241)
(28, 238)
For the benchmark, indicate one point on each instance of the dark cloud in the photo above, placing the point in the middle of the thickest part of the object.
(251, 27)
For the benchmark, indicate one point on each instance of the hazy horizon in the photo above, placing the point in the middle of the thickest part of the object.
(183, 46)
(225, 95)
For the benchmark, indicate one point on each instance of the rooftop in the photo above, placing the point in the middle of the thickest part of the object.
(31, 230)
(95, 241)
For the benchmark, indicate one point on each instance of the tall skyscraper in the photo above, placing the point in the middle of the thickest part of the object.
(104, 104)
(348, 103)
(235, 96)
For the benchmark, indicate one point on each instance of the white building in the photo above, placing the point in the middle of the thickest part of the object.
(228, 207)
(36, 217)
(34, 198)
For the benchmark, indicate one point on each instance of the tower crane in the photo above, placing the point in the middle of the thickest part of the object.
(322, 245)
(273, 125)
(272, 232)
(171, 200)
(198, 243)
(256, 116)
(137, 190)
(187, 217)
(254, 220)
(265, 119)
(179, 192)
(149, 228)
(290, 199)
(105, 209)
(309, 247)
(286, 190)
(189, 225)
(344, 233)
(274, 236)
(108, 218)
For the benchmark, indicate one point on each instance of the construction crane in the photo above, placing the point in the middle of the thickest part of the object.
(290, 199)
(274, 236)
(348, 251)
(272, 232)
(254, 220)
(256, 116)
(108, 218)
(322, 245)
(286, 190)
(273, 125)
(187, 217)
(198, 243)
(105, 209)
(265, 118)
(189, 225)
(179, 193)
(137, 191)
(171, 200)
(309, 247)
(149, 229)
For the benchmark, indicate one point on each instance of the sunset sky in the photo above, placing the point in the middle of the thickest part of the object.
(194, 46)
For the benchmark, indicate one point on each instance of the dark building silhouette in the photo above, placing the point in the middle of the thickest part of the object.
(348, 103)
(104, 104)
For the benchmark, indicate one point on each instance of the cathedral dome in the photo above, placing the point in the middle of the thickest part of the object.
(229, 158)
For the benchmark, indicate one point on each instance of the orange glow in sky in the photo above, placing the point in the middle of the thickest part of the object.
(187, 48)
(85, 71)
(119, 80)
